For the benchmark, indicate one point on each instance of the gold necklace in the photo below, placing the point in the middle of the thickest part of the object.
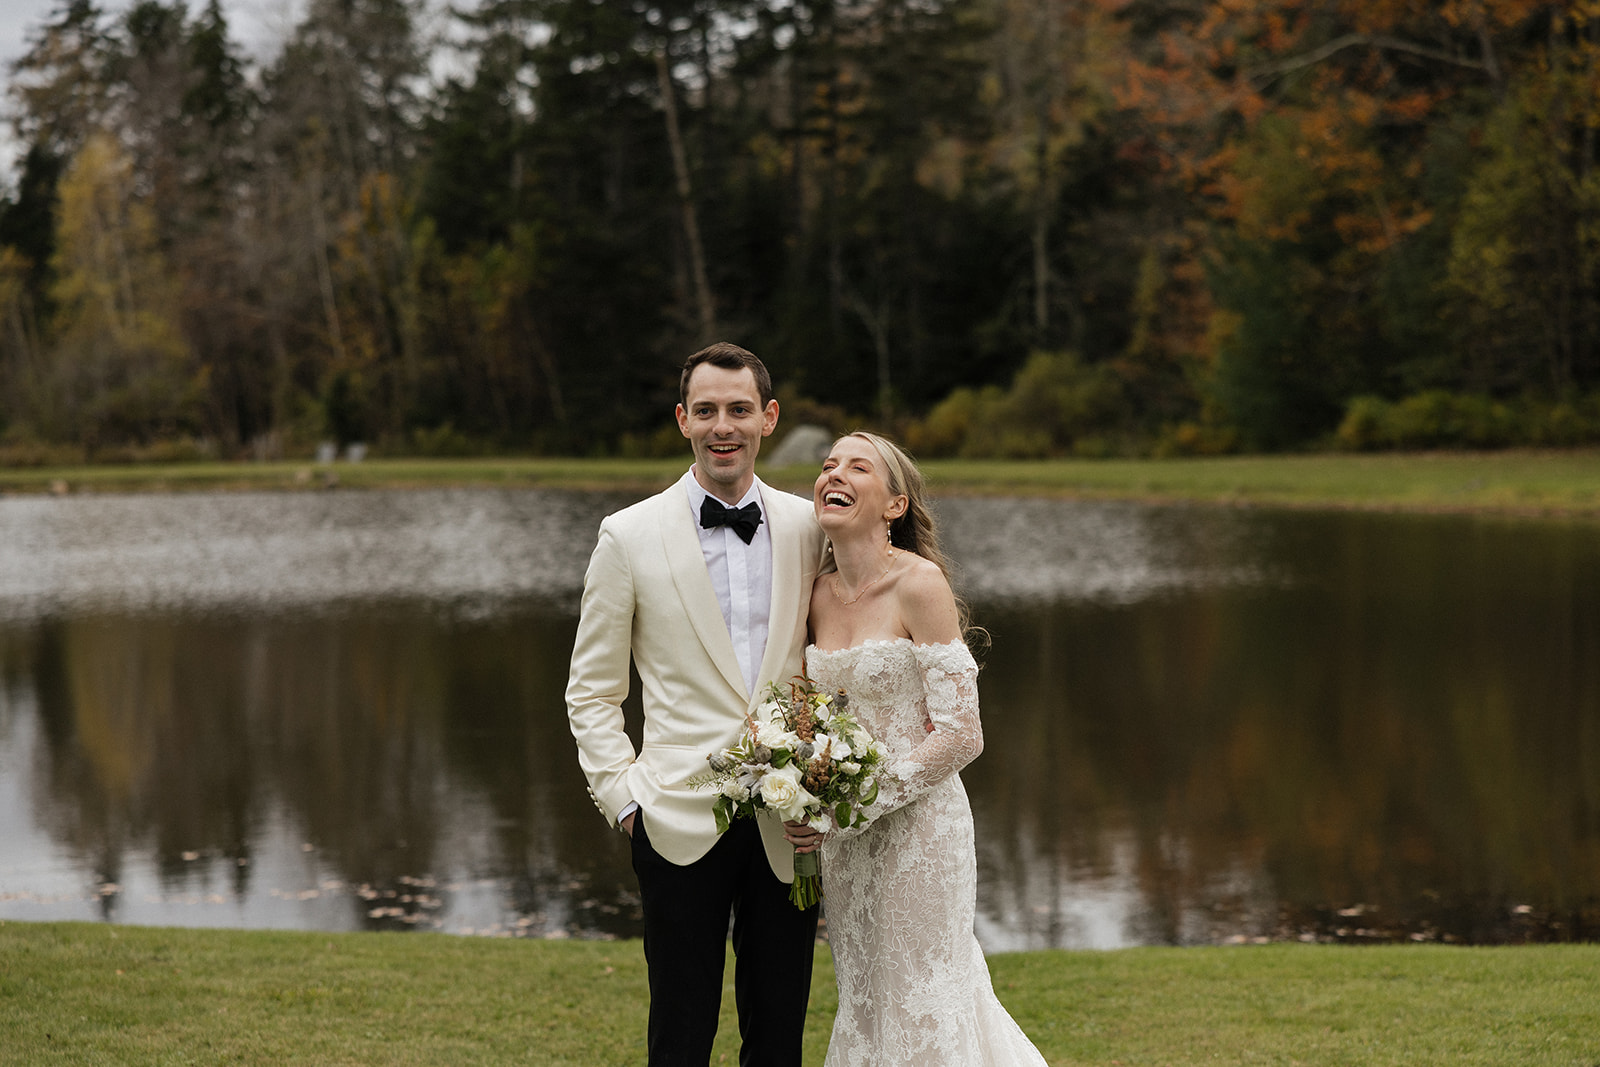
(863, 590)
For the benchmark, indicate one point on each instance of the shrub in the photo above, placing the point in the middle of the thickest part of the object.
(946, 429)
(1564, 423)
(1365, 424)
(662, 443)
(1196, 439)
(1056, 405)
(1438, 419)
(162, 450)
(443, 441)
(23, 451)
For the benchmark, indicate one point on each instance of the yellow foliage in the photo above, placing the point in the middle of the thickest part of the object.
(119, 359)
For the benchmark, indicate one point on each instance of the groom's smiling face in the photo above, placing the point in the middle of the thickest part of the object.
(725, 422)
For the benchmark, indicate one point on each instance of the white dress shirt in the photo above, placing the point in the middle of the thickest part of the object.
(741, 576)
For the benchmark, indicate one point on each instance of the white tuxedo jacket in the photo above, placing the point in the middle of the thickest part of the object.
(648, 594)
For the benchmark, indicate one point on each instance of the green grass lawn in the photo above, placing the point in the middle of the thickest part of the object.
(74, 993)
(369, 474)
(1513, 482)
(1520, 482)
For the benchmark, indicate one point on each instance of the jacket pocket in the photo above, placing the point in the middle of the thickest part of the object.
(673, 765)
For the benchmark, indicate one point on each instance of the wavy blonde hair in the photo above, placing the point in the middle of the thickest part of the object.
(915, 530)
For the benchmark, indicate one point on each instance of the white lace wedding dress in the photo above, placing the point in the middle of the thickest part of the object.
(900, 894)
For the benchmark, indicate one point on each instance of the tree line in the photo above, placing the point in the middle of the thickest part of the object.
(997, 227)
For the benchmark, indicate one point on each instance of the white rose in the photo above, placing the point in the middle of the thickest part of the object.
(774, 734)
(734, 789)
(782, 792)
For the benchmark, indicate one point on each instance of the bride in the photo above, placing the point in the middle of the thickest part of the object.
(901, 891)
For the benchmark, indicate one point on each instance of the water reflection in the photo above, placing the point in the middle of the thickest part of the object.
(1044, 551)
(395, 758)
(475, 550)
(1404, 741)
(344, 711)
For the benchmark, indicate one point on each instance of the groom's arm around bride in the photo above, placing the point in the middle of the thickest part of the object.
(705, 588)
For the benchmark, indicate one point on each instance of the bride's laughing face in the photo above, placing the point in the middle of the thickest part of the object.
(852, 496)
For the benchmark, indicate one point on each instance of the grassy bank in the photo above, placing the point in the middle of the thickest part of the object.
(1503, 482)
(81, 993)
(1517, 482)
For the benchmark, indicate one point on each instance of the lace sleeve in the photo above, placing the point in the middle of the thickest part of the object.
(950, 687)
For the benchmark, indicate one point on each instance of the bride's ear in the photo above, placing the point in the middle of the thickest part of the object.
(897, 507)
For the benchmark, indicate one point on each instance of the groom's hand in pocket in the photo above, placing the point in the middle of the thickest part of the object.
(627, 822)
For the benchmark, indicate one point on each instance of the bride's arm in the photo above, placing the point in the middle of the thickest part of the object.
(950, 686)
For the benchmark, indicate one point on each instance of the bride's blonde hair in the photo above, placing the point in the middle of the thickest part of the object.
(914, 530)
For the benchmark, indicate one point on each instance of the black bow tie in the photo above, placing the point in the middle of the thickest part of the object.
(743, 520)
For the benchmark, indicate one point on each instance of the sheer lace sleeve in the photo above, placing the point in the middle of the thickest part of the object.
(950, 688)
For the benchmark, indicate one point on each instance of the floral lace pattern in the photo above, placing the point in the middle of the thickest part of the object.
(901, 892)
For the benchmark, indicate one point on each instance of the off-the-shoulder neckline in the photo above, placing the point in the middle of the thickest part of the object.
(869, 642)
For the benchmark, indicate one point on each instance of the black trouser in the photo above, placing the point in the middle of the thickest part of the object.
(686, 911)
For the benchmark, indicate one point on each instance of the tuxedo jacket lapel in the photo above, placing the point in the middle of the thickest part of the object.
(787, 568)
(687, 563)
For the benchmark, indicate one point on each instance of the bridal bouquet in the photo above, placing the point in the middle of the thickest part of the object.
(804, 758)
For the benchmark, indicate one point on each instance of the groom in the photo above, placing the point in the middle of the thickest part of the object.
(706, 586)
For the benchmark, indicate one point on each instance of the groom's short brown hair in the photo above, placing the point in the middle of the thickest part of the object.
(729, 357)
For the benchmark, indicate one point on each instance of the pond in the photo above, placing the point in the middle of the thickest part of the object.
(344, 710)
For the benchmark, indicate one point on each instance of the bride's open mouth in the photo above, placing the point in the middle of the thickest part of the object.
(835, 499)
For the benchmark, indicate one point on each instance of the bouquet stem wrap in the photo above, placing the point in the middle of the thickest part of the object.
(807, 888)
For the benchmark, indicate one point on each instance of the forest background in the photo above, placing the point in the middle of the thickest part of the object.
(994, 227)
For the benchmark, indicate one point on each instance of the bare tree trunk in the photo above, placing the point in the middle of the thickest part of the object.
(547, 364)
(830, 192)
(319, 237)
(1491, 65)
(1042, 209)
(691, 224)
(877, 323)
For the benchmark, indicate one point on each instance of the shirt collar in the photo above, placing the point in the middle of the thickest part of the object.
(698, 493)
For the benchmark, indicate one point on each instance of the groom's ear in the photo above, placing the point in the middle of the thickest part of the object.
(683, 420)
(769, 419)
